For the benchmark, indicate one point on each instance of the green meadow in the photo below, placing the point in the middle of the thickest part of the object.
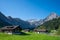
(31, 36)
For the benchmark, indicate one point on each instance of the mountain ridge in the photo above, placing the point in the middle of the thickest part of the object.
(52, 16)
(9, 21)
(30, 24)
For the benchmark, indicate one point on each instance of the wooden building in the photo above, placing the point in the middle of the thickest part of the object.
(11, 29)
(40, 30)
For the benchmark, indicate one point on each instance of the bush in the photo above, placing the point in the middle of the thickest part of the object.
(53, 32)
(58, 31)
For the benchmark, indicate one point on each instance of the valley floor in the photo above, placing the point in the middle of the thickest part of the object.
(31, 36)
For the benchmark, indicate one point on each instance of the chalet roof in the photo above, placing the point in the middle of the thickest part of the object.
(9, 27)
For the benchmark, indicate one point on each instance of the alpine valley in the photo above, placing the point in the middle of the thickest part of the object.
(29, 24)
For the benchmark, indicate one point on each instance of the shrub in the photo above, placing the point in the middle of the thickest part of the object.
(58, 31)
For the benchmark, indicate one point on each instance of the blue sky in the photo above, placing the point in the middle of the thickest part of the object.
(29, 9)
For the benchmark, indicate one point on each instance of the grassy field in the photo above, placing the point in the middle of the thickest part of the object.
(31, 36)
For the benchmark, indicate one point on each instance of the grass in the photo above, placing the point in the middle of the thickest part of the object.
(32, 36)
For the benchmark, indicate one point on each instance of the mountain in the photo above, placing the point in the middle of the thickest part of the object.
(52, 24)
(4, 21)
(22, 23)
(33, 22)
(9, 21)
(52, 16)
(29, 24)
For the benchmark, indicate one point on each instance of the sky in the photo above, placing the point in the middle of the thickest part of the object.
(29, 9)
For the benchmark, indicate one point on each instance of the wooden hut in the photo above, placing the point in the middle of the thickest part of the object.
(11, 29)
(40, 30)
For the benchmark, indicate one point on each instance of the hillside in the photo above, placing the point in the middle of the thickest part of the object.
(7, 21)
(51, 24)
(36, 22)
(4, 21)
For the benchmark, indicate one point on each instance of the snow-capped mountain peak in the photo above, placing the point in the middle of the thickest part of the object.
(51, 16)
